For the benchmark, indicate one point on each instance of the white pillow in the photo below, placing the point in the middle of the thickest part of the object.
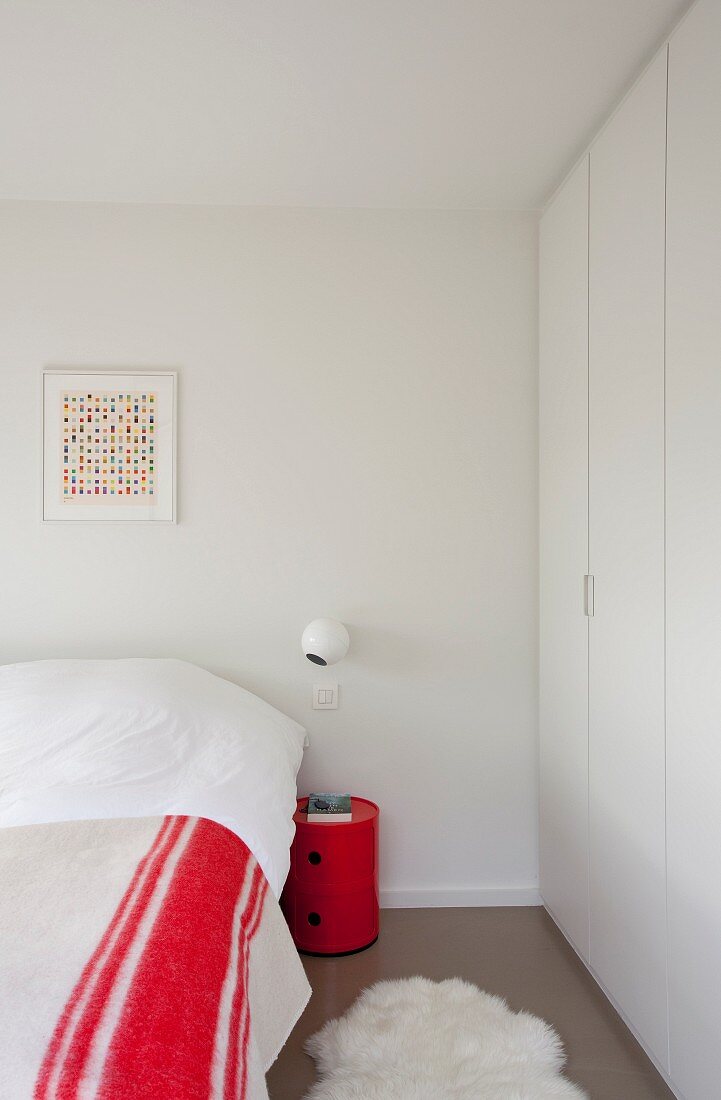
(135, 738)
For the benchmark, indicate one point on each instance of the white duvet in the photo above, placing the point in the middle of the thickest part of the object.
(138, 738)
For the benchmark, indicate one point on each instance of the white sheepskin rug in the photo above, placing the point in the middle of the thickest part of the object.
(421, 1040)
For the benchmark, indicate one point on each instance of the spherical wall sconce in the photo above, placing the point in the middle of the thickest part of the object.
(325, 641)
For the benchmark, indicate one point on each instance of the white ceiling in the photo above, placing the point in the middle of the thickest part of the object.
(381, 103)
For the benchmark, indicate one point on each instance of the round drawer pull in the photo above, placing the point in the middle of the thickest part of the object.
(314, 858)
(314, 919)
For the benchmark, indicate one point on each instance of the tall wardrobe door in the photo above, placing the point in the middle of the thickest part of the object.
(564, 557)
(626, 553)
(693, 463)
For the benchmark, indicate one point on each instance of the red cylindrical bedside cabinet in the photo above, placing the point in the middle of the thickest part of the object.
(331, 900)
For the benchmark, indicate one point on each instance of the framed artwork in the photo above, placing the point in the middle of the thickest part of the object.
(109, 446)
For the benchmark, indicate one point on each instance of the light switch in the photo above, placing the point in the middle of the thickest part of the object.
(325, 696)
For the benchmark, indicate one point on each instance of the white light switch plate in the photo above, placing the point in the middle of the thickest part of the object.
(325, 697)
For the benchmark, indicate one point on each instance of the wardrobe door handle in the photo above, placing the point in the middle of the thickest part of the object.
(588, 595)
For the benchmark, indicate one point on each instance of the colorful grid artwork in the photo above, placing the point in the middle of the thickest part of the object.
(108, 446)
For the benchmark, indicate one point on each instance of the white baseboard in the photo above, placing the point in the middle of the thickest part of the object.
(471, 897)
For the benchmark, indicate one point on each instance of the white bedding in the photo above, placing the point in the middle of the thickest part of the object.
(138, 738)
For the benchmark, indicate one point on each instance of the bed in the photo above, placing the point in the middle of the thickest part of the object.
(145, 825)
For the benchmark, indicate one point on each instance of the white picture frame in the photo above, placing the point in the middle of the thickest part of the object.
(110, 455)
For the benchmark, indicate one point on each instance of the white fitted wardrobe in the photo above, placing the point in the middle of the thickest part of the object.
(630, 427)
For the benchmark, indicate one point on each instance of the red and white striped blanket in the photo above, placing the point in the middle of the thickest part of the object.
(140, 959)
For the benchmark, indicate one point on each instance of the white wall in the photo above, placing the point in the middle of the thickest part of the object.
(357, 438)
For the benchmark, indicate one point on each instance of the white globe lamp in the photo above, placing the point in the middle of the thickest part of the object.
(325, 641)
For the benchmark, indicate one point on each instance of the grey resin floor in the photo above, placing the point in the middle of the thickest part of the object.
(517, 953)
